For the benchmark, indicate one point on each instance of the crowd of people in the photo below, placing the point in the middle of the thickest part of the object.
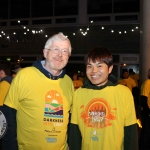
(45, 108)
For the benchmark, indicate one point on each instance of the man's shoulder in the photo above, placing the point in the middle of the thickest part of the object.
(27, 69)
(122, 88)
(7, 79)
(131, 79)
(26, 72)
(146, 82)
(67, 78)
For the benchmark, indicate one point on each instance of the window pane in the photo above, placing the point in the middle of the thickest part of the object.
(99, 6)
(3, 9)
(66, 7)
(123, 6)
(41, 8)
(19, 9)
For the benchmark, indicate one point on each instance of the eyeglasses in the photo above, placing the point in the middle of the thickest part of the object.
(57, 50)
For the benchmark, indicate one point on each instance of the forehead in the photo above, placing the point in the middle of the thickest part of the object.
(125, 73)
(63, 43)
(96, 61)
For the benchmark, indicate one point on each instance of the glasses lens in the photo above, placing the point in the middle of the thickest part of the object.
(63, 51)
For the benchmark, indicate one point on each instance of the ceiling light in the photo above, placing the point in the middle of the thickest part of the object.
(112, 31)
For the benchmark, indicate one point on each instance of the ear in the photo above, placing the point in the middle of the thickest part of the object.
(110, 69)
(44, 52)
(2, 73)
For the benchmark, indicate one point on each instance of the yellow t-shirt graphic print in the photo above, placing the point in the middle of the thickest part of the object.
(98, 114)
(54, 108)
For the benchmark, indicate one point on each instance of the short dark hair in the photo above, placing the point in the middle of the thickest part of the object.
(101, 54)
(130, 70)
(124, 70)
(6, 67)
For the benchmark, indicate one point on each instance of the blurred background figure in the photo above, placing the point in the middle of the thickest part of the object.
(76, 82)
(126, 80)
(145, 104)
(82, 76)
(134, 76)
(17, 68)
(131, 84)
(5, 80)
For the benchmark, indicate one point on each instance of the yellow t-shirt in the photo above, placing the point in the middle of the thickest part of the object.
(102, 115)
(77, 84)
(129, 82)
(82, 79)
(135, 77)
(145, 90)
(43, 107)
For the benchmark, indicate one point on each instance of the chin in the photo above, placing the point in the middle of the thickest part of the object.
(95, 83)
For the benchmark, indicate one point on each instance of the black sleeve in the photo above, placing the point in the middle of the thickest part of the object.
(131, 137)
(143, 101)
(9, 141)
(68, 131)
(74, 137)
(135, 93)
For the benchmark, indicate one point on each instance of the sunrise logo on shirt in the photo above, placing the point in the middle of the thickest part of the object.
(98, 114)
(53, 105)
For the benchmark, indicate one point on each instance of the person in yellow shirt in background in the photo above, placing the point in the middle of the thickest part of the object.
(134, 76)
(145, 104)
(76, 82)
(5, 80)
(82, 76)
(126, 80)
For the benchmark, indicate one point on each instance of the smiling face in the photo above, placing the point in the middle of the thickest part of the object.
(97, 72)
(55, 62)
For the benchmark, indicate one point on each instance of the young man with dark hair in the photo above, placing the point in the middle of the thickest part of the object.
(103, 114)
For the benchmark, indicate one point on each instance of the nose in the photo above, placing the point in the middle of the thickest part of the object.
(60, 52)
(94, 69)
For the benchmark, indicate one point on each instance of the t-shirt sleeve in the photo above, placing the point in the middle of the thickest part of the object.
(12, 96)
(145, 90)
(74, 110)
(4, 87)
(133, 83)
(130, 115)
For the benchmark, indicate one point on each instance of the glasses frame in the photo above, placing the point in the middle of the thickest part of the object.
(57, 50)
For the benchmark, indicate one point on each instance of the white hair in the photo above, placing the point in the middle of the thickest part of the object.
(57, 37)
